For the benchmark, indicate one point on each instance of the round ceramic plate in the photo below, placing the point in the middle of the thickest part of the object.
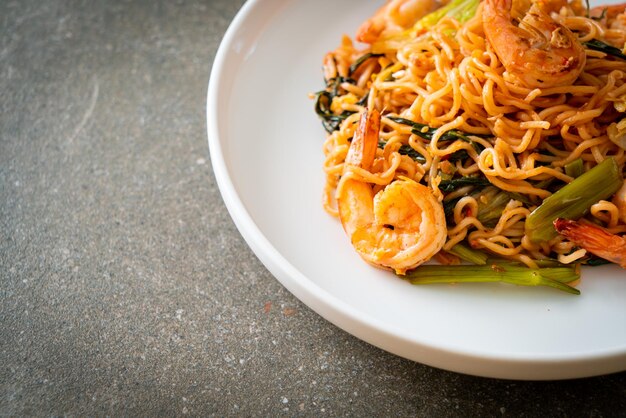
(266, 150)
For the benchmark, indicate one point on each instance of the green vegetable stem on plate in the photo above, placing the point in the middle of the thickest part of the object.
(505, 272)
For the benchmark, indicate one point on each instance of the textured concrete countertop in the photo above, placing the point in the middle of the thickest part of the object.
(126, 288)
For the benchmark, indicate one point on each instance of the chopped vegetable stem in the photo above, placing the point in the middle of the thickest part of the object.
(575, 168)
(461, 10)
(489, 212)
(574, 200)
(555, 277)
(469, 255)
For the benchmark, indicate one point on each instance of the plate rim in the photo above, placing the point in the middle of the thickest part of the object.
(357, 323)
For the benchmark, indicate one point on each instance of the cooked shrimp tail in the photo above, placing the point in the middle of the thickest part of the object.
(538, 51)
(398, 228)
(594, 239)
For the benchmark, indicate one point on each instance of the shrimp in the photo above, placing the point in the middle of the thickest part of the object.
(607, 12)
(614, 18)
(594, 239)
(401, 226)
(395, 16)
(539, 52)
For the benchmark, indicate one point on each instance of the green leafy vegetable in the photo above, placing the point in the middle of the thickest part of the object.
(363, 100)
(405, 150)
(460, 155)
(427, 132)
(330, 121)
(448, 186)
(448, 207)
(604, 47)
(410, 152)
(597, 261)
(356, 64)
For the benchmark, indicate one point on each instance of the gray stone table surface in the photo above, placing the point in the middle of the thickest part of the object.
(126, 288)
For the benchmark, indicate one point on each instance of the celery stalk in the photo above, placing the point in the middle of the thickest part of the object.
(555, 277)
(574, 199)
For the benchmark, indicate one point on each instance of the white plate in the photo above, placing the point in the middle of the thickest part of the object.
(266, 149)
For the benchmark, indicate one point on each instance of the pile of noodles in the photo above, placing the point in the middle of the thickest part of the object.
(522, 139)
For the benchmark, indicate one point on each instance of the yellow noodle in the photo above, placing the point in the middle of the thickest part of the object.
(518, 138)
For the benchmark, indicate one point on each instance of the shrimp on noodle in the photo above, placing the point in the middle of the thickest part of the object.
(400, 227)
(539, 51)
(594, 239)
(395, 16)
(497, 117)
(607, 12)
